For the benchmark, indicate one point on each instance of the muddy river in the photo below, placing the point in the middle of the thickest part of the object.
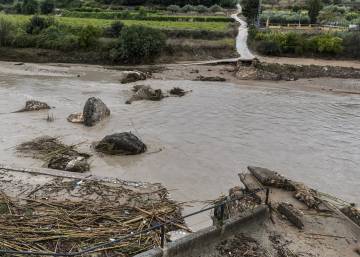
(205, 138)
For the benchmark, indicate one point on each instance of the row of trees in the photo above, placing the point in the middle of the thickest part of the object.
(208, 3)
(192, 8)
(33, 6)
(251, 10)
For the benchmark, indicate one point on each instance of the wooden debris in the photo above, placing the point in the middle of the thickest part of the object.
(291, 213)
(97, 212)
(271, 178)
(353, 213)
(307, 195)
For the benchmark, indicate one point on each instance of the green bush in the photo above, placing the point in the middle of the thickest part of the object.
(188, 8)
(115, 29)
(201, 9)
(30, 7)
(215, 8)
(351, 44)
(6, 31)
(328, 44)
(173, 8)
(138, 44)
(38, 23)
(54, 38)
(88, 36)
(269, 48)
(47, 6)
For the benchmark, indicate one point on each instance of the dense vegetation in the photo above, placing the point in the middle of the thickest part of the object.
(306, 44)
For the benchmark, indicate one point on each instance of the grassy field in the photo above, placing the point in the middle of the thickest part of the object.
(77, 22)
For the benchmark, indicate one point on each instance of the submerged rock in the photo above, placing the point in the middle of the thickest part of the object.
(216, 78)
(33, 105)
(76, 117)
(177, 91)
(124, 143)
(132, 76)
(145, 93)
(94, 111)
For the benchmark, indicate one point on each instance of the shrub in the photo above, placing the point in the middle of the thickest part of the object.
(47, 6)
(54, 38)
(328, 44)
(215, 8)
(88, 36)
(30, 7)
(6, 30)
(173, 8)
(142, 12)
(269, 48)
(138, 44)
(115, 29)
(38, 23)
(351, 44)
(17, 7)
(188, 8)
(201, 8)
(228, 3)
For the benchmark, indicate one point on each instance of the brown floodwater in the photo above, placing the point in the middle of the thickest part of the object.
(206, 137)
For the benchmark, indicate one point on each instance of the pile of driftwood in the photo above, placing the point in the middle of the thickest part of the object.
(55, 154)
(98, 213)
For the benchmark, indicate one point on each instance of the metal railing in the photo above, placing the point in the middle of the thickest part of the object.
(160, 226)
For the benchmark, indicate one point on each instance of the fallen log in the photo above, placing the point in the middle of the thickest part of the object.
(353, 213)
(291, 213)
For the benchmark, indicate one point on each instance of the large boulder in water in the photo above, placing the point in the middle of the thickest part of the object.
(132, 76)
(124, 143)
(94, 111)
(33, 105)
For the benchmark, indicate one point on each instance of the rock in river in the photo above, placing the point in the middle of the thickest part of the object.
(76, 118)
(132, 76)
(124, 143)
(94, 111)
(33, 105)
(145, 93)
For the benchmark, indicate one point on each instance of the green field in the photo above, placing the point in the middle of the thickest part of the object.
(78, 22)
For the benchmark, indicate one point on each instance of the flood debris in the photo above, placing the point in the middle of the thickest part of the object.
(65, 215)
(210, 78)
(142, 92)
(271, 178)
(237, 201)
(259, 70)
(177, 91)
(94, 111)
(291, 213)
(301, 192)
(353, 213)
(55, 154)
(280, 245)
(132, 76)
(240, 246)
(33, 105)
(124, 143)
(76, 118)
